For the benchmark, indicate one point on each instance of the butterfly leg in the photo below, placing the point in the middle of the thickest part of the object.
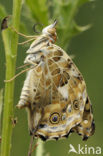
(21, 34)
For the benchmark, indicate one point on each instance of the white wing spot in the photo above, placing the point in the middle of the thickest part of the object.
(64, 91)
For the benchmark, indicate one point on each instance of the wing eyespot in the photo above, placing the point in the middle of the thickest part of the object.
(54, 118)
(76, 104)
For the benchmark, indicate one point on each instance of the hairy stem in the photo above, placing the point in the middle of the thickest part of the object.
(10, 45)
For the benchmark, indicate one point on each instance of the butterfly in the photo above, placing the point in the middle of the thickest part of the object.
(54, 91)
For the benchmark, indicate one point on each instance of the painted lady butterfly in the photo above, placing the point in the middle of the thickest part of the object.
(54, 92)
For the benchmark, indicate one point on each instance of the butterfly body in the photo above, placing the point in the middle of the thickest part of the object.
(54, 92)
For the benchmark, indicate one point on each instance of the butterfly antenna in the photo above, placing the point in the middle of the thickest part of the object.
(35, 25)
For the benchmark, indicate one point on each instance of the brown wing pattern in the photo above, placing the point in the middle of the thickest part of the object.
(87, 127)
(55, 95)
(58, 97)
(54, 92)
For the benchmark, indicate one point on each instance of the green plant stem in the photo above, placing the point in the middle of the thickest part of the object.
(39, 149)
(10, 45)
(1, 106)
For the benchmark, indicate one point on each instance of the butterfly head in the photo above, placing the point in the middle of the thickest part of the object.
(51, 31)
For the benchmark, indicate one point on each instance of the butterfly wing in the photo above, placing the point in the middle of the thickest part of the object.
(87, 126)
(60, 96)
(57, 96)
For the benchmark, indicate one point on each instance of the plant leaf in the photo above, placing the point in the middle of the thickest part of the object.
(39, 10)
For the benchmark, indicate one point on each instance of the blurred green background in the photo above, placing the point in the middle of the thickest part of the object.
(88, 50)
